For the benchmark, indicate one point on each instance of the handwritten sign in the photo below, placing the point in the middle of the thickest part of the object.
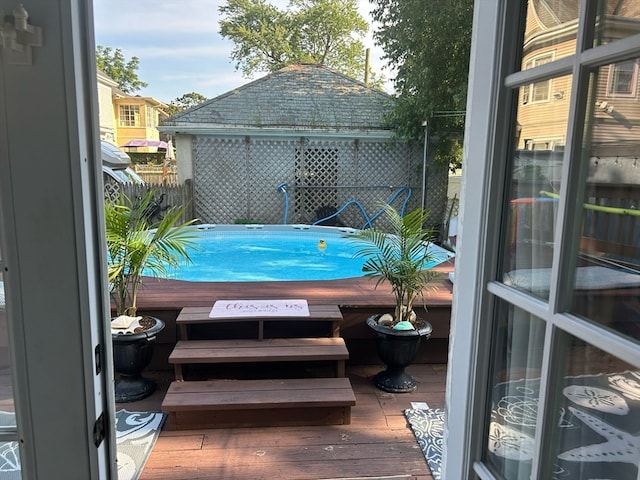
(259, 308)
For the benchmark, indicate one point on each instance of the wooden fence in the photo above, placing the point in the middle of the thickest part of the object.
(158, 174)
(171, 195)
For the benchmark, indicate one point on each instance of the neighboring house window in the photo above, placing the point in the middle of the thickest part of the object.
(623, 78)
(151, 117)
(542, 144)
(129, 115)
(539, 91)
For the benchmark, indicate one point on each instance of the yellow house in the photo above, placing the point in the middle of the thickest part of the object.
(137, 119)
(126, 119)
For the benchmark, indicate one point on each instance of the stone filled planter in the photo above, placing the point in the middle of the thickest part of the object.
(132, 353)
(397, 349)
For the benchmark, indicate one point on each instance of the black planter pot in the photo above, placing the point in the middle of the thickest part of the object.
(132, 353)
(397, 349)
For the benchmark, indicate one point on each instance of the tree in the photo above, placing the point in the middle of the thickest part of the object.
(113, 63)
(187, 100)
(309, 31)
(429, 44)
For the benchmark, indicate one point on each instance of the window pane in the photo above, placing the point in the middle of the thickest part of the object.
(6, 385)
(129, 115)
(535, 182)
(607, 285)
(551, 29)
(598, 417)
(616, 20)
(515, 378)
(623, 79)
(9, 451)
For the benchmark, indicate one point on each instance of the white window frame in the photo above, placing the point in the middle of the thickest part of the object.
(129, 115)
(492, 92)
(529, 92)
(633, 82)
(547, 143)
(152, 116)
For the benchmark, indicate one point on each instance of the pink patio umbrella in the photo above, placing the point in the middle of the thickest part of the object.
(145, 143)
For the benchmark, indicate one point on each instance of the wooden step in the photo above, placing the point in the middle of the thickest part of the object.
(258, 403)
(268, 350)
(317, 313)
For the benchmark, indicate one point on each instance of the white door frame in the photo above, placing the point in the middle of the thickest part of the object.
(53, 246)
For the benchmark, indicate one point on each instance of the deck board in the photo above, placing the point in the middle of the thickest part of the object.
(309, 452)
(267, 350)
(301, 453)
(163, 294)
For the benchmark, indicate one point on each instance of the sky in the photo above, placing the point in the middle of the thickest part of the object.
(179, 47)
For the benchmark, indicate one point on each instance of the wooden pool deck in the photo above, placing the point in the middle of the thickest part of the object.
(351, 292)
(376, 444)
(357, 298)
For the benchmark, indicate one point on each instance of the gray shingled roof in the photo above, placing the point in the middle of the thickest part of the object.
(302, 96)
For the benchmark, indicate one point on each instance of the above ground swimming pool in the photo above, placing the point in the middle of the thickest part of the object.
(257, 253)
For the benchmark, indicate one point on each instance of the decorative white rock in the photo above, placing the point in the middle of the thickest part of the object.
(124, 322)
(385, 320)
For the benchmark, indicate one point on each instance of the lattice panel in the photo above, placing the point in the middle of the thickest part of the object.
(271, 163)
(237, 179)
(316, 166)
(220, 179)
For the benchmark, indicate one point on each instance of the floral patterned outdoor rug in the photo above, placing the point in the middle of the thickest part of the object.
(136, 433)
(428, 428)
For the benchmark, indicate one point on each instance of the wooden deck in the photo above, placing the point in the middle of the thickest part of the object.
(377, 443)
(164, 294)
(356, 297)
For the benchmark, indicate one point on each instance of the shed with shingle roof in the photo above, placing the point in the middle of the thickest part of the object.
(316, 131)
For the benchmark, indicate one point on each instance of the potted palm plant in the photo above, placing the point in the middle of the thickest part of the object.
(136, 248)
(398, 255)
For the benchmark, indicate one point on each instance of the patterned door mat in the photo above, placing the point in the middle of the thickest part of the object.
(428, 428)
(136, 433)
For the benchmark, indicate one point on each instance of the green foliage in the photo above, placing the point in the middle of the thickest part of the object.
(309, 31)
(429, 44)
(147, 158)
(184, 102)
(397, 256)
(135, 244)
(113, 63)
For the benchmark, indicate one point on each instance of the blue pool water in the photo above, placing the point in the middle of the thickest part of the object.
(233, 253)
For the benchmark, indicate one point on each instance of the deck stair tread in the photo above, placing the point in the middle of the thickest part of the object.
(191, 315)
(259, 402)
(258, 394)
(251, 350)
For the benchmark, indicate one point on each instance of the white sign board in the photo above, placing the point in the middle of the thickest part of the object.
(259, 308)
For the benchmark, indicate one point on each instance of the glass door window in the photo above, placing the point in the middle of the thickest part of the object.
(557, 379)
(9, 451)
(607, 259)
